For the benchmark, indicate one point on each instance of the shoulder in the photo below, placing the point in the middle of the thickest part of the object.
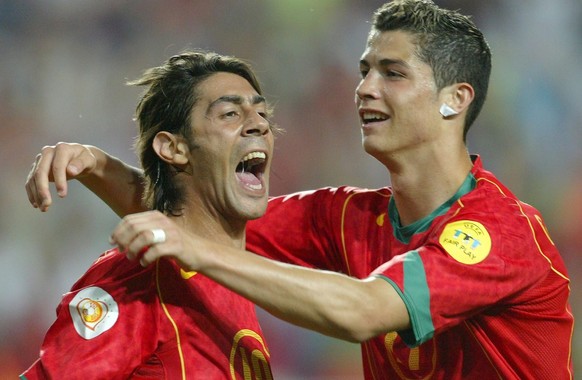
(111, 266)
(495, 220)
(334, 195)
(328, 204)
(491, 197)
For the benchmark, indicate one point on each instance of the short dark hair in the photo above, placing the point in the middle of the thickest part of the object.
(166, 105)
(449, 42)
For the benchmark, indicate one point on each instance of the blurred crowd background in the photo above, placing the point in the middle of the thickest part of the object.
(63, 68)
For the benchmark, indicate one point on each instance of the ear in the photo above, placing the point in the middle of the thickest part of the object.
(171, 148)
(457, 97)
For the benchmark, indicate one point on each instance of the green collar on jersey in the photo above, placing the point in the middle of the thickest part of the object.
(404, 233)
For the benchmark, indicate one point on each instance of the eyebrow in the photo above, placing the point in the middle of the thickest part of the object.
(386, 62)
(237, 99)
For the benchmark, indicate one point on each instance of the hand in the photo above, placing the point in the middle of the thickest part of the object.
(57, 163)
(136, 237)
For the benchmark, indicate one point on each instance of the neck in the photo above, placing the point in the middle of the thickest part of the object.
(422, 183)
(212, 226)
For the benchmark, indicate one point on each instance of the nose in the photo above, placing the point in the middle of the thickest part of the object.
(368, 88)
(256, 124)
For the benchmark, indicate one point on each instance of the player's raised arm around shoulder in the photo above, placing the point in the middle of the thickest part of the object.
(330, 303)
(116, 183)
(327, 302)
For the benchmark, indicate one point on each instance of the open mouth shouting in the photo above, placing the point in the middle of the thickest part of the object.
(250, 171)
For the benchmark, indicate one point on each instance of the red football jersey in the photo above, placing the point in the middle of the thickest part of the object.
(123, 321)
(485, 287)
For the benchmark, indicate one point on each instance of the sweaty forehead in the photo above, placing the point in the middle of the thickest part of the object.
(225, 84)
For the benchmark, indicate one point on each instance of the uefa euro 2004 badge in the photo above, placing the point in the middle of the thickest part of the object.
(93, 311)
(466, 241)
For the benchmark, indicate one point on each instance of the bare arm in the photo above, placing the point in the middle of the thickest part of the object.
(116, 183)
(330, 303)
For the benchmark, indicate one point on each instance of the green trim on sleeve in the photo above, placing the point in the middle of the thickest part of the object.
(416, 297)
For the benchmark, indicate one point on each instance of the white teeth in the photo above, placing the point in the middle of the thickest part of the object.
(373, 115)
(255, 187)
(252, 155)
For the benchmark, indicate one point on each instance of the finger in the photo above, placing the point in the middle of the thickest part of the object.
(140, 255)
(157, 248)
(148, 256)
(144, 248)
(140, 244)
(140, 237)
(130, 256)
(133, 232)
(42, 177)
(75, 167)
(30, 185)
(64, 154)
(83, 162)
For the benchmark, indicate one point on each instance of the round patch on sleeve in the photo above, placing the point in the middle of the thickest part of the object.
(93, 311)
(466, 241)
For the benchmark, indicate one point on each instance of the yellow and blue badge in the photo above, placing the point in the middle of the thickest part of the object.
(466, 241)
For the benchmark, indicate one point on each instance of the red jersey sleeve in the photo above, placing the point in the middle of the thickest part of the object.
(480, 257)
(102, 329)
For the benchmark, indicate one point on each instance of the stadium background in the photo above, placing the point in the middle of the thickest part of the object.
(63, 65)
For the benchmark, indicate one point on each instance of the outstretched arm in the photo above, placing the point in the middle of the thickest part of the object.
(116, 183)
(327, 302)
(330, 303)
